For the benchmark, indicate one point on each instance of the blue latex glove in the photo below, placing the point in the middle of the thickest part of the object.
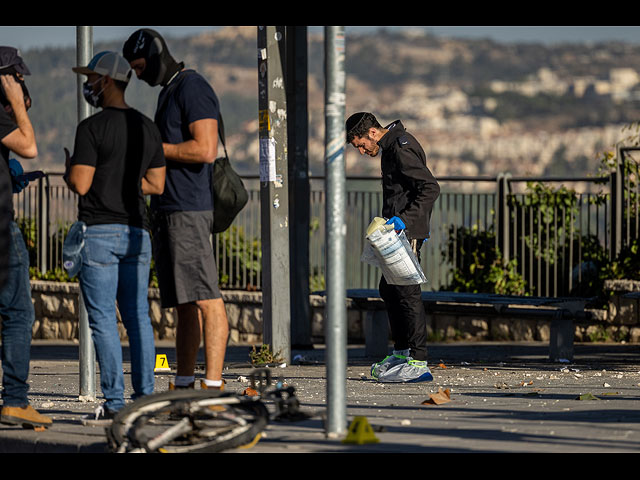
(398, 224)
(16, 171)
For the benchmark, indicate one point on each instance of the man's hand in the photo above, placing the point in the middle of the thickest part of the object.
(12, 90)
(67, 159)
(67, 165)
(21, 141)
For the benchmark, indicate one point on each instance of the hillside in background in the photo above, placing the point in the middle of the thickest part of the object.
(479, 107)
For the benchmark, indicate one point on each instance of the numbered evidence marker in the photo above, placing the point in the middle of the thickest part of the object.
(360, 432)
(162, 364)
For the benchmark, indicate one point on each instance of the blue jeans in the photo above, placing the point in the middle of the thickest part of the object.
(115, 267)
(18, 315)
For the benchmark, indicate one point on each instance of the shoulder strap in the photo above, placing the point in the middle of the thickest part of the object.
(221, 133)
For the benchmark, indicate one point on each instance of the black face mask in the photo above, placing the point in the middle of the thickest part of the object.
(3, 96)
(160, 66)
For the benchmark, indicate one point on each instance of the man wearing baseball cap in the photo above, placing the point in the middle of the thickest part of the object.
(117, 160)
(17, 136)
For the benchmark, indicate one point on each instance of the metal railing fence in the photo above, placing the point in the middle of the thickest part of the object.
(552, 247)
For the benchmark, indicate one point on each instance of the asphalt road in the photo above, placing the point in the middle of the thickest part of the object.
(503, 398)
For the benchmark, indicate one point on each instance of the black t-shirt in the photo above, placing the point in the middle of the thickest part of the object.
(122, 144)
(7, 125)
(186, 99)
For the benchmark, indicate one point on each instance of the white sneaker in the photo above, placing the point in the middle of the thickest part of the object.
(411, 371)
(385, 364)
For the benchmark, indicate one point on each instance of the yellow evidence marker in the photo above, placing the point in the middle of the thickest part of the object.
(162, 364)
(360, 432)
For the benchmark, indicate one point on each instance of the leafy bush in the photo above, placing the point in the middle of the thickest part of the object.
(478, 265)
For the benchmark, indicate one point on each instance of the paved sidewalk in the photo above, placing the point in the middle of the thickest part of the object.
(504, 397)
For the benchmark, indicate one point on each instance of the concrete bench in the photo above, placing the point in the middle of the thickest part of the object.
(560, 311)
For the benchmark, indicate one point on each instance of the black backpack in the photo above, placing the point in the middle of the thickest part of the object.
(229, 194)
(227, 189)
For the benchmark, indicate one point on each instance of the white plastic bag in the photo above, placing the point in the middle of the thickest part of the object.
(392, 253)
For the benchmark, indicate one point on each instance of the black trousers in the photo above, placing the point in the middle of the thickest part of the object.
(407, 316)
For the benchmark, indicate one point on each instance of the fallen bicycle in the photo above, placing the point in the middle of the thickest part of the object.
(190, 421)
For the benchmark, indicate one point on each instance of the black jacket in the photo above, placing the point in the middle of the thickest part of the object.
(409, 189)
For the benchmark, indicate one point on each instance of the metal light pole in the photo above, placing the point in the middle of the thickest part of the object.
(84, 53)
(274, 190)
(336, 229)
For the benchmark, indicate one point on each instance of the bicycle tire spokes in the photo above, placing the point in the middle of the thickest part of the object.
(187, 422)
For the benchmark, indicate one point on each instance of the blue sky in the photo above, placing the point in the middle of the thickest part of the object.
(26, 37)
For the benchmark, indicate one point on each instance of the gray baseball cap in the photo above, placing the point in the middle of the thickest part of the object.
(107, 63)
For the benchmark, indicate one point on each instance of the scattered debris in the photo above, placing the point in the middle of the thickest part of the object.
(250, 392)
(442, 396)
(587, 396)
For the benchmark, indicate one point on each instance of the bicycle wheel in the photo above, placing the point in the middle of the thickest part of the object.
(181, 421)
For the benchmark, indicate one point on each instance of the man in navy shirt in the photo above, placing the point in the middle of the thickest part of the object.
(187, 116)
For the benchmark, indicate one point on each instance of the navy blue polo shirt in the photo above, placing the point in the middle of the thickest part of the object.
(186, 99)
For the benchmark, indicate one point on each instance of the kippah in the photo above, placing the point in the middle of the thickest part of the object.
(353, 120)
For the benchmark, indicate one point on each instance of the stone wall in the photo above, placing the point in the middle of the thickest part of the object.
(623, 314)
(56, 307)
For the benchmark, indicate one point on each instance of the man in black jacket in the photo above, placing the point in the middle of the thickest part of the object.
(409, 191)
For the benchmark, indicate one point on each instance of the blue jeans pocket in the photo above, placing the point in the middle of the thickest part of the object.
(100, 247)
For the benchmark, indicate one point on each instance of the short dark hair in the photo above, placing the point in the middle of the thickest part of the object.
(121, 84)
(358, 125)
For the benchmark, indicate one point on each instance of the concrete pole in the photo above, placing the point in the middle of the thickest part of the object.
(84, 53)
(336, 230)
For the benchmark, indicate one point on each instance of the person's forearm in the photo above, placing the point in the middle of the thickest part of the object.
(153, 181)
(189, 152)
(27, 145)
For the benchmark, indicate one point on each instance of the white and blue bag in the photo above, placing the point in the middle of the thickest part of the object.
(391, 252)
